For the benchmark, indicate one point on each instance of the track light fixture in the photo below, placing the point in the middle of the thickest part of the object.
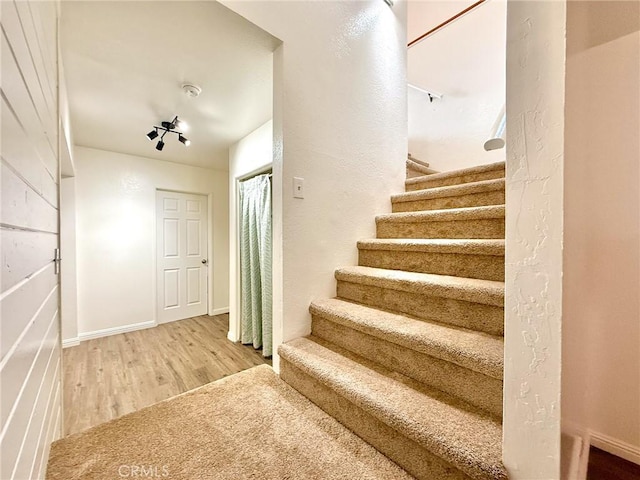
(168, 127)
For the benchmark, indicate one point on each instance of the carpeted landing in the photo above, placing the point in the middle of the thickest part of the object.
(249, 425)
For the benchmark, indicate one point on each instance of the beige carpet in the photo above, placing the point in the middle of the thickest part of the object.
(249, 425)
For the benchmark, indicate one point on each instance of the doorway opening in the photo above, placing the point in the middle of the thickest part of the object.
(254, 260)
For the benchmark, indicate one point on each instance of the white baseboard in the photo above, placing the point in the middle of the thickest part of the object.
(70, 342)
(219, 311)
(106, 332)
(231, 337)
(616, 447)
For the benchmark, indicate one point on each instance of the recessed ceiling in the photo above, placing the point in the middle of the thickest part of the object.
(125, 63)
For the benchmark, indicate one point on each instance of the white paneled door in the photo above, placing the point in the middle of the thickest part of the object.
(182, 264)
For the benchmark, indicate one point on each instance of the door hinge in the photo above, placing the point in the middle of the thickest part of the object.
(56, 260)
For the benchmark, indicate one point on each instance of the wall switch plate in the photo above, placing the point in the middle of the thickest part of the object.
(298, 187)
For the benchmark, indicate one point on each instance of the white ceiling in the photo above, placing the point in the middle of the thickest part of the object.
(125, 63)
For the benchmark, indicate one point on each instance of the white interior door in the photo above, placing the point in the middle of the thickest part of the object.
(182, 264)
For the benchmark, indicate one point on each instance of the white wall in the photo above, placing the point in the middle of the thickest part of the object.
(115, 204)
(465, 62)
(250, 155)
(30, 397)
(68, 267)
(601, 324)
(424, 15)
(534, 226)
(339, 123)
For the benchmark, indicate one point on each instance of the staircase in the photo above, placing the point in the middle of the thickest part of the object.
(409, 355)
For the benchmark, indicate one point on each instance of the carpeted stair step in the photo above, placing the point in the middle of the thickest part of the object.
(463, 302)
(418, 161)
(429, 433)
(482, 259)
(456, 177)
(415, 169)
(463, 363)
(473, 194)
(470, 222)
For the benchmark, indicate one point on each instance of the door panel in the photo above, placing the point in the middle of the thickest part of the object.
(171, 240)
(182, 249)
(193, 286)
(30, 344)
(193, 238)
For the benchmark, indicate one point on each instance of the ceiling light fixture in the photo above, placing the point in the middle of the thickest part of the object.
(152, 134)
(184, 140)
(168, 127)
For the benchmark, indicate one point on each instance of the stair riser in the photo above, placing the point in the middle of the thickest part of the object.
(475, 316)
(445, 182)
(411, 173)
(485, 267)
(480, 390)
(405, 452)
(483, 228)
(471, 200)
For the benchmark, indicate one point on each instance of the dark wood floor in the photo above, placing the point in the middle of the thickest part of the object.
(111, 376)
(604, 466)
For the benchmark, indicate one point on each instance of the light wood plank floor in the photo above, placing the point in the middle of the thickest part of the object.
(111, 376)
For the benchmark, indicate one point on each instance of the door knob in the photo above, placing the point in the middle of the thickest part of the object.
(204, 261)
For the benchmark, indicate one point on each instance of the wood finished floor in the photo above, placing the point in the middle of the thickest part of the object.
(604, 466)
(111, 376)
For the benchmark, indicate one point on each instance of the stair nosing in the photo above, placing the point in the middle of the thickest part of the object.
(403, 417)
(489, 247)
(448, 191)
(457, 173)
(445, 215)
(418, 341)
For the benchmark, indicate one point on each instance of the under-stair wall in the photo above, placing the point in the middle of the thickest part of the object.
(340, 123)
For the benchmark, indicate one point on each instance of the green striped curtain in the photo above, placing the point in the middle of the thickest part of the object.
(255, 263)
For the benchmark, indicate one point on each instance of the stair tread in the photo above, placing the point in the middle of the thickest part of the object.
(489, 292)
(417, 167)
(474, 350)
(436, 245)
(481, 186)
(446, 215)
(455, 173)
(461, 435)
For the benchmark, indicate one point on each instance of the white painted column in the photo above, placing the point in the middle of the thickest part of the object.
(534, 228)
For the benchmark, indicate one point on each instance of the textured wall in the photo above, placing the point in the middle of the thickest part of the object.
(340, 122)
(534, 225)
